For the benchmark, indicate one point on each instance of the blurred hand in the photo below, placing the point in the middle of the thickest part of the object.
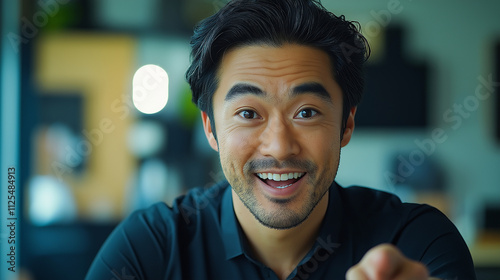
(386, 262)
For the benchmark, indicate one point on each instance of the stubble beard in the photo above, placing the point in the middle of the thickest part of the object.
(281, 216)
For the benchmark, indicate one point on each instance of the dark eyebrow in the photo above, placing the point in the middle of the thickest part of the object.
(307, 88)
(241, 89)
(314, 88)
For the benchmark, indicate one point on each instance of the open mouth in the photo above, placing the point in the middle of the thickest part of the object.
(280, 181)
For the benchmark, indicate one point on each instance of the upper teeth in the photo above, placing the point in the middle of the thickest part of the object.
(280, 177)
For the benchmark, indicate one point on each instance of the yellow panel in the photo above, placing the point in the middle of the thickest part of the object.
(99, 66)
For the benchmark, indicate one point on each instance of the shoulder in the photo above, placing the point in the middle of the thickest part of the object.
(363, 195)
(363, 201)
(148, 243)
(185, 209)
(161, 222)
(199, 202)
(384, 207)
(372, 216)
(420, 231)
(371, 202)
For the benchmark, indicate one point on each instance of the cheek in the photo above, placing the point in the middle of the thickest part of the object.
(237, 146)
(325, 150)
(324, 146)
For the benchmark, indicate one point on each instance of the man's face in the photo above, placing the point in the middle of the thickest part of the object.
(278, 113)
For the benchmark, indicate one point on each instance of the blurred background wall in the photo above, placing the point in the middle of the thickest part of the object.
(85, 156)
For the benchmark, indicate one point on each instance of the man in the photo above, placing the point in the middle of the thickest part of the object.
(278, 83)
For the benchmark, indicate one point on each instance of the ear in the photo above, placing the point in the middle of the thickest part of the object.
(207, 126)
(349, 127)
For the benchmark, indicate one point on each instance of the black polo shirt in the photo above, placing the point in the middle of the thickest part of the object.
(200, 238)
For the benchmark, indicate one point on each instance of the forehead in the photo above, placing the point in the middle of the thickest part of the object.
(275, 69)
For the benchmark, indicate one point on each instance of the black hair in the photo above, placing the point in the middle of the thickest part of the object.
(274, 23)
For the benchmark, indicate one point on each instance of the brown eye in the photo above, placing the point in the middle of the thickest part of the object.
(306, 113)
(248, 114)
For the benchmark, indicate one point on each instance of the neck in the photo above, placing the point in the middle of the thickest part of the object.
(280, 250)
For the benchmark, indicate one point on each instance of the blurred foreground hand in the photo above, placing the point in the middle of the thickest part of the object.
(386, 262)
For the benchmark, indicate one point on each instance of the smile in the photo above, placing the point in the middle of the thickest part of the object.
(280, 177)
(280, 181)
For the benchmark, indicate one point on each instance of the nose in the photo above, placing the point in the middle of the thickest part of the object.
(278, 140)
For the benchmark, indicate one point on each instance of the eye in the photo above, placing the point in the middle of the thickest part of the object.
(307, 113)
(248, 114)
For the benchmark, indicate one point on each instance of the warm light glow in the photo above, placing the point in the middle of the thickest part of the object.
(150, 89)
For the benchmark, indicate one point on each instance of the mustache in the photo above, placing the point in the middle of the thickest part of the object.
(255, 165)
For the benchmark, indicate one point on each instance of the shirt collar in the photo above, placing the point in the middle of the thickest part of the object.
(328, 237)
